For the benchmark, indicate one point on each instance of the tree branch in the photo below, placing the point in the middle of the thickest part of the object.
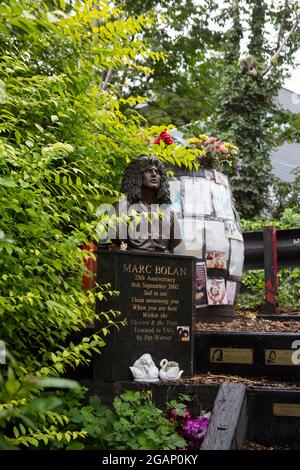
(236, 37)
(274, 58)
(282, 24)
(105, 77)
(107, 80)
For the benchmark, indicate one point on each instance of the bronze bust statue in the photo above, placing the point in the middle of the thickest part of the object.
(151, 224)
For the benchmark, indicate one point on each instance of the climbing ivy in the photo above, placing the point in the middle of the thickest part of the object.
(246, 110)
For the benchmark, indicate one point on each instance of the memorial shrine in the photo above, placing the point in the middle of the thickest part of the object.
(175, 255)
(170, 288)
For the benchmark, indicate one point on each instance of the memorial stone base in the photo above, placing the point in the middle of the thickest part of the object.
(157, 297)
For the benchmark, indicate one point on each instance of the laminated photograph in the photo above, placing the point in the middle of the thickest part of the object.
(222, 201)
(175, 193)
(232, 230)
(201, 293)
(216, 292)
(230, 292)
(236, 258)
(216, 259)
(237, 219)
(192, 234)
(215, 237)
(220, 178)
(183, 333)
(197, 197)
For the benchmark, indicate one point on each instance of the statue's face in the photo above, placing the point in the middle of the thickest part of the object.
(151, 178)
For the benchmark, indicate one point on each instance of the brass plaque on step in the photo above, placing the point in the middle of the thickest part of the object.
(286, 409)
(231, 355)
(279, 357)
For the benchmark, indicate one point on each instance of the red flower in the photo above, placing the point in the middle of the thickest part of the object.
(165, 137)
(173, 416)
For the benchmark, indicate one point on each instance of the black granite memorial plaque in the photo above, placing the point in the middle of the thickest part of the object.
(157, 300)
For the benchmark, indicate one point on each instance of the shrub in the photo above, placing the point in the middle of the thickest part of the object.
(133, 423)
(64, 141)
(29, 415)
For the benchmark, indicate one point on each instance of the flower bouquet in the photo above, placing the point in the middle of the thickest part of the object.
(212, 153)
(192, 429)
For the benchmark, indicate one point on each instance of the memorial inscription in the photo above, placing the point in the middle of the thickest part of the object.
(152, 295)
(231, 355)
(279, 357)
(286, 409)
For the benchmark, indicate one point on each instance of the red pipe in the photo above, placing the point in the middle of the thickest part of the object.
(89, 280)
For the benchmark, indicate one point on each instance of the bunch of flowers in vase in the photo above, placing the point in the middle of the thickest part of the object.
(213, 153)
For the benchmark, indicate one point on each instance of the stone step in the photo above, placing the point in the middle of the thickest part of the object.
(274, 416)
(292, 316)
(254, 354)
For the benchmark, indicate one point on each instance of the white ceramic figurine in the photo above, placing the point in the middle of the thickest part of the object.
(169, 370)
(144, 369)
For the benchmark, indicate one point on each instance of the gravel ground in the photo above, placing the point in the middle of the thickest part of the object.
(248, 321)
(210, 378)
(256, 446)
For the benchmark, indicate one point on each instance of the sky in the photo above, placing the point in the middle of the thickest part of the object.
(293, 83)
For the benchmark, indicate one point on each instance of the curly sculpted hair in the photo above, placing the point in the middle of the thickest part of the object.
(133, 177)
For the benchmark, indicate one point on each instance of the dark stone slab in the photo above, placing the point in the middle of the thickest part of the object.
(247, 353)
(157, 295)
(274, 416)
(214, 314)
(293, 316)
(202, 395)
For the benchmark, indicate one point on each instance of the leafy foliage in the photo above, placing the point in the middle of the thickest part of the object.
(287, 196)
(246, 111)
(213, 73)
(53, 175)
(28, 417)
(140, 425)
(133, 423)
(64, 142)
(180, 85)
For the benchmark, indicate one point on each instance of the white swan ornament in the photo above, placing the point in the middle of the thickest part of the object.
(169, 370)
(144, 369)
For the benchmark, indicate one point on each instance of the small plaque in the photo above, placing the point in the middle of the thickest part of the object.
(231, 355)
(286, 409)
(279, 357)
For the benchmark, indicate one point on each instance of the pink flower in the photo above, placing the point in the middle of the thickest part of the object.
(172, 414)
(224, 149)
(211, 140)
(194, 430)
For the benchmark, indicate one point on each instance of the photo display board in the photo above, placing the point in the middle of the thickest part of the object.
(210, 230)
